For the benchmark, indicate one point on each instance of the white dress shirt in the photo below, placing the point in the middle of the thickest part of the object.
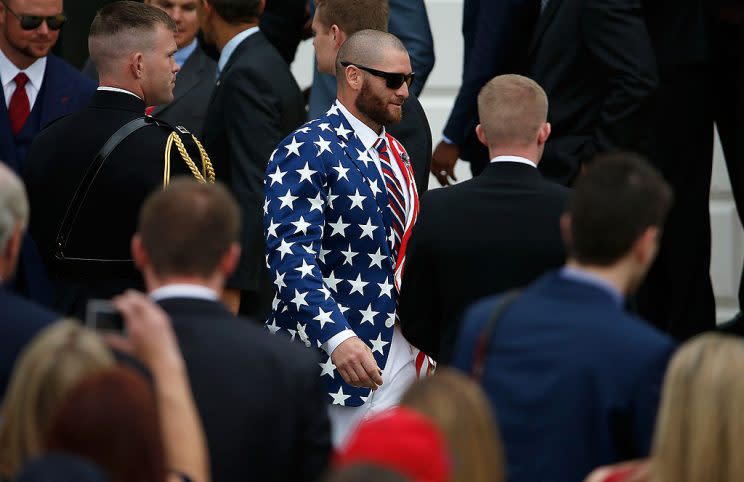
(35, 73)
(184, 290)
(518, 159)
(116, 89)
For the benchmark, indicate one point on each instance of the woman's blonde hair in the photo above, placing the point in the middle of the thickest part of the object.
(700, 427)
(52, 364)
(458, 406)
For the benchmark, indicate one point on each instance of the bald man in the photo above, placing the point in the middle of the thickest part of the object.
(340, 202)
(84, 239)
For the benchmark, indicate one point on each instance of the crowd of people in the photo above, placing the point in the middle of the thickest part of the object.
(269, 292)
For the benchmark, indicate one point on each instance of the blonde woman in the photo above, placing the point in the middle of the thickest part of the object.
(60, 356)
(699, 428)
(462, 412)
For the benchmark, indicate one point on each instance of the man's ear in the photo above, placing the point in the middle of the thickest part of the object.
(261, 8)
(543, 133)
(230, 260)
(338, 36)
(480, 133)
(139, 255)
(647, 245)
(354, 77)
(566, 230)
(11, 250)
(136, 64)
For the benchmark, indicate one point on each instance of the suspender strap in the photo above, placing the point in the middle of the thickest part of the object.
(484, 338)
(78, 199)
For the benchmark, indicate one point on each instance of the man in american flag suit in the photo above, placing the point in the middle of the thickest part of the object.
(340, 204)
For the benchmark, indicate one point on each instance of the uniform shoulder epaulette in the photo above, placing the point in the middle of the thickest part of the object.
(204, 173)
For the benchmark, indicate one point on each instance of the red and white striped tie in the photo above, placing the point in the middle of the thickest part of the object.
(396, 201)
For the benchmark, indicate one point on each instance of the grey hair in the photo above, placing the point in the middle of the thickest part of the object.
(13, 204)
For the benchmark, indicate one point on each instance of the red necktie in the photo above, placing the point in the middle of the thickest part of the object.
(19, 106)
(396, 201)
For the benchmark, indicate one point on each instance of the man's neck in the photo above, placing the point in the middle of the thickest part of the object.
(615, 275)
(529, 153)
(215, 283)
(129, 87)
(226, 31)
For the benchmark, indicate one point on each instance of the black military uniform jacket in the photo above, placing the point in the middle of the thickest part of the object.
(57, 161)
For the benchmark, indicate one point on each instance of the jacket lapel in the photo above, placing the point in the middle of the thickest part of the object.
(7, 145)
(543, 22)
(54, 95)
(355, 151)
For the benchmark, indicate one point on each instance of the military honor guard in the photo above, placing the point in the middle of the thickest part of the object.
(340, 203)
(88, 174)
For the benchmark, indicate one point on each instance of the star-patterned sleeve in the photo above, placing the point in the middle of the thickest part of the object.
(294, 222)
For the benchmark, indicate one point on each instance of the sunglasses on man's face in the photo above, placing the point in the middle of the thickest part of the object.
(392, 80)
(32, 22)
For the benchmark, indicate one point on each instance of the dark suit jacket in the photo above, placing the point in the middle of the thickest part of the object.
(574, 379)
(595, 61)
(259, 396)
(64, 91)
(58, 160)
(487, 235)
(496, 34)
(20, 321)
(255, 104)
(194, 84)
(282, 22)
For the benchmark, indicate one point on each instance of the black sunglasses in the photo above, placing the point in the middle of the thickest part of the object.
(392, 80)
(32, 22)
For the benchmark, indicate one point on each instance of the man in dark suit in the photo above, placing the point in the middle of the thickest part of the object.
(677, 295)
(337, 20)
(84, 237)
(39, 88)
(254, 105)
(492, 233)
(20, 319)
(595, 61)
(496, 34)
(259, 396)
(574, 378)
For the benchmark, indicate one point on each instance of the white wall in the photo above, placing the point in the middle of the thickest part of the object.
(445, 17)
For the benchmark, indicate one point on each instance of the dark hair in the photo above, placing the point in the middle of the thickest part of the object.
(364, 473)
(187, 227)
(111, 418)
(237, 11)
(353, 15)
(614, 202)
(126, 15)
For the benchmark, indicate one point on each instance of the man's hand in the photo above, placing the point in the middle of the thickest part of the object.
(443, 162)
(356, 364)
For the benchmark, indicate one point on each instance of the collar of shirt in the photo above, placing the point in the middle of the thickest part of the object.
(35, 73)
(230, 47)
(184, 290)
(518, 159)
(184, 53)
(362, 130)
(576, 274)
(116, 89)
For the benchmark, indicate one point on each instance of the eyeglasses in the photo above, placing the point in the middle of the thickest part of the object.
(392, 80)
(32, 22)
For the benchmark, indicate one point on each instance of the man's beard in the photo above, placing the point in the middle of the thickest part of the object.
(375, 108)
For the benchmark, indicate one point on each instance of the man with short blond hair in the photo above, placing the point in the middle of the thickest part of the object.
(84, 239)
(492, 233)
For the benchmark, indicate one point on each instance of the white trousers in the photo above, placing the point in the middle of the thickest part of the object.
(399, 373)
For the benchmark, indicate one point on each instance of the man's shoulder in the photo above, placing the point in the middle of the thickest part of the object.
(22, 315)
(69, 75)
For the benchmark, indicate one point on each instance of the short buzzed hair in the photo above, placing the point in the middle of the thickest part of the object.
(366, 47)
(618, 198)
(188, 227)
(351, 16)
(512, 109)
(13, 204)
(122, 28)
